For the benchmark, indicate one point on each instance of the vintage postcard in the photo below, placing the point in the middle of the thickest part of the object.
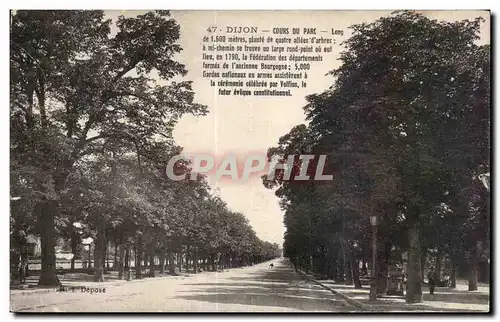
(250, 161)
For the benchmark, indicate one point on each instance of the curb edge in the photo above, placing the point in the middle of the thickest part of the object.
(349, 300)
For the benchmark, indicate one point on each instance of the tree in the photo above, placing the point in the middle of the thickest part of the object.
(395, 125)
(69, 61)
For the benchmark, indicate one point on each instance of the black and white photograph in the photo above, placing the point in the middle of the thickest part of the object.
(250, 161)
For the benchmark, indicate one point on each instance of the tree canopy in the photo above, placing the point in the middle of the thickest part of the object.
(93, 106)
(406, 128)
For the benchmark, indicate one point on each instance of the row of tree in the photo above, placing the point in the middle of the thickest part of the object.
(93, 106)
(406, 129)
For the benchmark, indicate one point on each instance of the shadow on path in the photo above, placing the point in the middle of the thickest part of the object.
(278, 287)
(445, 300)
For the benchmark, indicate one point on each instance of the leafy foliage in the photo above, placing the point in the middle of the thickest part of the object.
(93, 106)
(405, 127)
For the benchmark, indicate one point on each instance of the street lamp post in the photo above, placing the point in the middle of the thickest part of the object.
(373, 284)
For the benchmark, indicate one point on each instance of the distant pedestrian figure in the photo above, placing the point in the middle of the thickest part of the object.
(431, 276)
(271, 265)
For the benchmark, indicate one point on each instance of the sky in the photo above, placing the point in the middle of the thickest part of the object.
(250, 125)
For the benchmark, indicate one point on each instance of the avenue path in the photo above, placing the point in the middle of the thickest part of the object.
(251, 289)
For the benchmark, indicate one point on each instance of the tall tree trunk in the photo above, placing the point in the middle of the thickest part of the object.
(453, 277)
(382, 263)
(151, 261)
(23, 267)
(99, 251)
(171, 263)
(225, 261)
(46, 209)
(48, 275)
(221, 262)
(473, 267)
(105, 253)
(74, 248)
(348, 272)
(15, 260)
(121, 264)
(211, 263)
(439, 258)
(340, 271)
(195, 262)
(90, 256)
(187, 258)
(115, 259)
(414, 282)
(162, 262)
(179, 260)
(138, 253)
(347, 258)
(127, 256)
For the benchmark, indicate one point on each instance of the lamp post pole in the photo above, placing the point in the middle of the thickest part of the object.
(373, 284)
